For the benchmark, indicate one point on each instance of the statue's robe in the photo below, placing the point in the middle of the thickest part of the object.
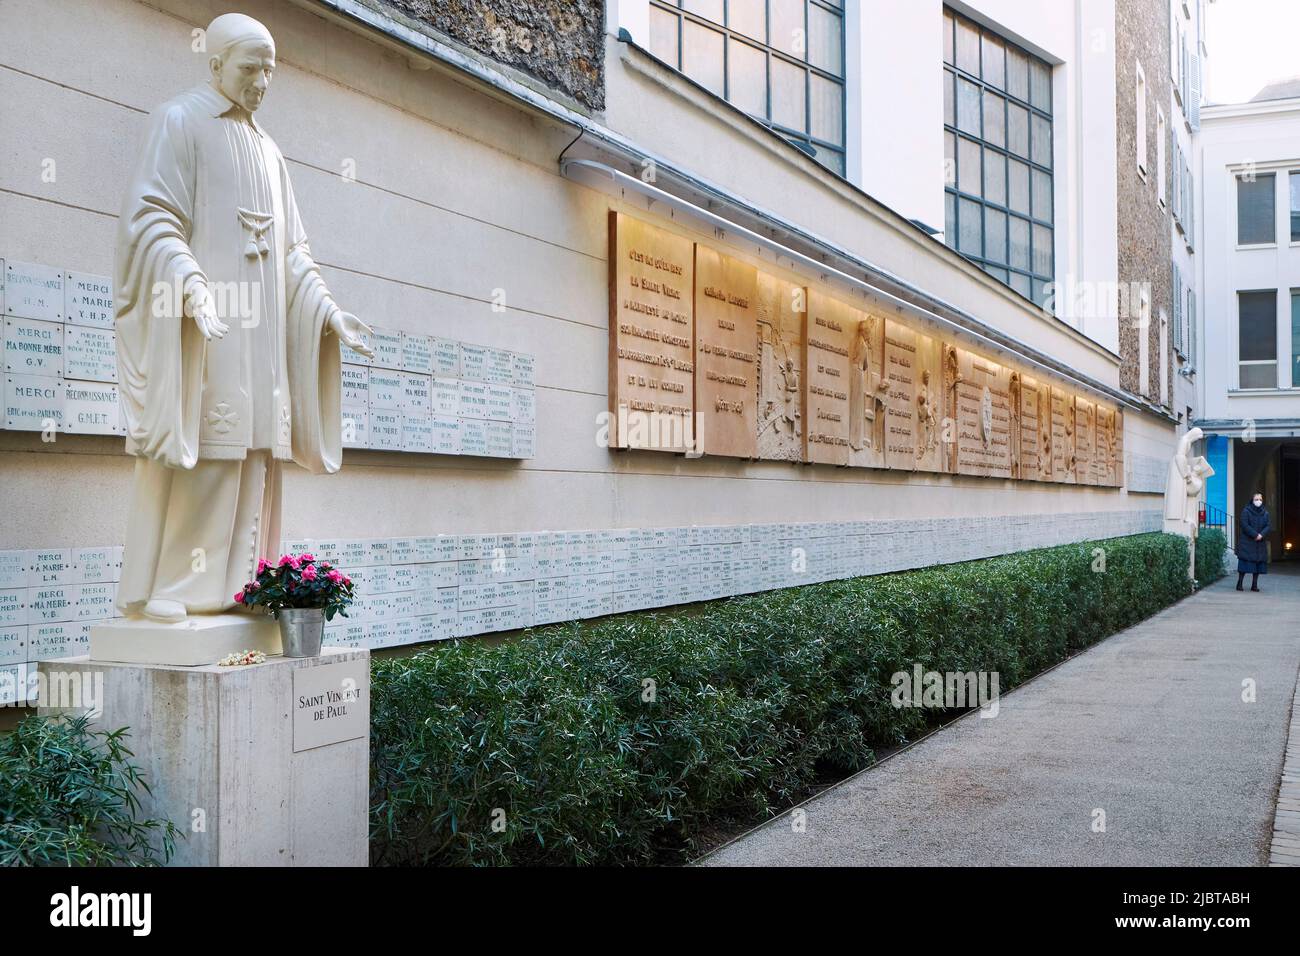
(1176, 503)
(212, 421)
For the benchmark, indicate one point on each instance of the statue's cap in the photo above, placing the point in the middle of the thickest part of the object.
(232, 28)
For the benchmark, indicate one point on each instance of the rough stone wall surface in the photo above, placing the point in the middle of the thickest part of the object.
(1142, 36)
(560, 42)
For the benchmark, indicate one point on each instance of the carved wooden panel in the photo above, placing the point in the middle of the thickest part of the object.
(651, 340)
(831, 328)
(782, 307)
(726, 354)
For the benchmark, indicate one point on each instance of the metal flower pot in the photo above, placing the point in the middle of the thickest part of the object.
(301, 630)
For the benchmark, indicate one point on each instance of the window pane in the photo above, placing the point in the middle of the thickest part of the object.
(1259, 376)
(971, 231)
(824, 32)
(947, 37)
(968, 47)
(1257, 326)
(1018, 129)
(995, 119)
(830, 159)
(949, 109)
(968, 166)
(787, 27)
(1020, 283)
(1040, 141)
(1255, 210)
(1018, 186)
(1040, 293)
(950, 219)
(1295, 340)
(749, 19)
(1042, 187)
(949, 160)
(747, 78)
(995, 177)
(1042, 250)
(1040, 85)
(995, 235)
(1017, 73)
(995, 69)
(1019, 235)
(1295, 218)
(709, 9)
(663, 35)
(999, 274)
(827, 109)
(788, 94)
(702, 56)
(968, 106)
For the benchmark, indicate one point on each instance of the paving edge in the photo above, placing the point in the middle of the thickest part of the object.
(1285, 849)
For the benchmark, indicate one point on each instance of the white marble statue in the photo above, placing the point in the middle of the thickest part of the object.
(1187, 474)
(227, 339)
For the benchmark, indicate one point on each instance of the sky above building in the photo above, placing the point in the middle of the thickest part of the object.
(1250, 43)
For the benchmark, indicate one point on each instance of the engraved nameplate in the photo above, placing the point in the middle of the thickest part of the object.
(33, 347)
(33, 291)
(33, 403)
(89, 354)
(88, 300)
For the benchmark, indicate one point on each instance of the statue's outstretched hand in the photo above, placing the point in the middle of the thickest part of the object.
(352, 331)
(199, 307)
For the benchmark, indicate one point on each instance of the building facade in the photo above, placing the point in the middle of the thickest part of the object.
(1248, 162)
(1159, 54)
(857, 279)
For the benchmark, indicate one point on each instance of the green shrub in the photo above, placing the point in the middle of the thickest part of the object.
(1211, 544)
(68, 797)
(551, 738)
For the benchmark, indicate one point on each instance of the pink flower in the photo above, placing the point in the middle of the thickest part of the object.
(309, 573)
(334, 576)
(239, 597)
(262, 565)
(347, 580)
(306, 558)
(290, 560)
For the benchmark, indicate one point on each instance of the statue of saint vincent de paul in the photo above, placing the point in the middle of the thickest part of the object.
(227, 339)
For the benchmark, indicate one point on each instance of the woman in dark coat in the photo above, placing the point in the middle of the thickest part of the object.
(1252, 549)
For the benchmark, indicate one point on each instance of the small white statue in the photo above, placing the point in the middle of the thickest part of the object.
(227, 339)
(1187, 474)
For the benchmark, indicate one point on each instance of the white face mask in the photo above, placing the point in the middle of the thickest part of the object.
(1259, 502)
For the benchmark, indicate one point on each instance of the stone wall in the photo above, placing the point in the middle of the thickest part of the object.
(1142, 36)
(560, 42)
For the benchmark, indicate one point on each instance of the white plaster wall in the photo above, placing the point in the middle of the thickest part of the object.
(457, 195)
(894, 112)
(1267, 135)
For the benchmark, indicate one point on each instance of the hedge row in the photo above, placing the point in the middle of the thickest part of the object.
(620, 740)
(1211, 550)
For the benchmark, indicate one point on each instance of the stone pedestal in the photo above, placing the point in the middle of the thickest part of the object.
(259, 765)
(202, 639)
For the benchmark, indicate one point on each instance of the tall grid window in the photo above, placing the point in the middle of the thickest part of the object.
(1255, 222)
(1257, 339)
(1295, 338)
(781, 61)
(998, 145)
